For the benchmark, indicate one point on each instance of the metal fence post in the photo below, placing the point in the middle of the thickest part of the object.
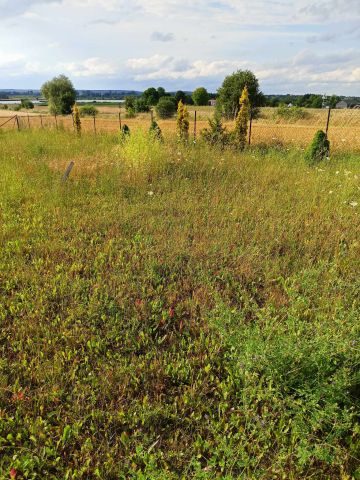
(250, 127)
(327, 123)
(195, 119)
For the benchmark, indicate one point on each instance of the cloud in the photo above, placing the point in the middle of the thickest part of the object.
(162, 37)
(167, 67)
(91, 67)
(10, 8)
(331, 9)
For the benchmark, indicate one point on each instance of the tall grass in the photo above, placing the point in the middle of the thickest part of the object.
(176, 312)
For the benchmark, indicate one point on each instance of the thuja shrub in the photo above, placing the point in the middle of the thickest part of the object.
(155, 130)
(77, 120)
(319, 149)
(182, 123)
(242, 120)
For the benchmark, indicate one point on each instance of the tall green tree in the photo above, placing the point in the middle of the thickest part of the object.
(161, 92)
(228, 98)
(180, 95)
(200, 96)
(151, 96)
(60, 94)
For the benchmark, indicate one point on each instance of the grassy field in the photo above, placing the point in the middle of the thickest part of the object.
(268, 129)
(177, 312)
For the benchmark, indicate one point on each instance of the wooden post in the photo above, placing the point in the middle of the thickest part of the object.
(41, 122)
(17, 122)
(327, 123)
(28, 121)
(56, 121)
(120, 119)
(94, 124)
(67, 172)
(250, 127)
(195, 117)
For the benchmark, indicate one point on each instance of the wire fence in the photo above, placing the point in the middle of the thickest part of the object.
(342, 126)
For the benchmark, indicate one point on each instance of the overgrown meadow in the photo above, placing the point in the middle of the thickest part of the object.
(177, 311)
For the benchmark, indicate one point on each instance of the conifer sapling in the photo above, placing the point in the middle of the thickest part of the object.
(242, 119)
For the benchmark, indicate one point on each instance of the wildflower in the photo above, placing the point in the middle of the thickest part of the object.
(171, 312)
(330, 192)
(19, 396)
(13, 473)
(337, 172)
(151, 193)
(138, 302)
(353, 204)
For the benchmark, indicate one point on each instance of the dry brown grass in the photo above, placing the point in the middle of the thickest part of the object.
(344, 131)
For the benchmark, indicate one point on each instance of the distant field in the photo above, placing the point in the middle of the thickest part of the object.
(177, 312)
(344, 131)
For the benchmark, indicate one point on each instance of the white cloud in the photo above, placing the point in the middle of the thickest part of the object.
(160, 67)
(90, 67)
(162, 37)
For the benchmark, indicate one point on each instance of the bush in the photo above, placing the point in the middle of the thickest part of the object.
(290, 113)
(141, 105)
(130, 113)
(4, 107)
(166, 107)
(26, 103)
(155, 130)
(319, 149)
(88, 111)
(130, 103)
(216, 134)
(125, 131)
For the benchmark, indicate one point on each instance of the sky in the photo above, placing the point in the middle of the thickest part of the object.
(295, 46)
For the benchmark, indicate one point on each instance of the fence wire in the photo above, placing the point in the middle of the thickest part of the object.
(266, 130)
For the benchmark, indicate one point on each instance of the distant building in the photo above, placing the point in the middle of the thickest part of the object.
(341, 104)
(212, 102)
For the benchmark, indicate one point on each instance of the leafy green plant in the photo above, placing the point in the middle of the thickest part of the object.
(179, 327)
(166, 107)
(216, 134)
(319, 149)
(26, 103)
(88, 111)
(290, 114)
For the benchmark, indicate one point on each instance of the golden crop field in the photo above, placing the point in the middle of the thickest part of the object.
(268, 129)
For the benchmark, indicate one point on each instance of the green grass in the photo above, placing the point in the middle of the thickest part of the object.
(176, 312)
